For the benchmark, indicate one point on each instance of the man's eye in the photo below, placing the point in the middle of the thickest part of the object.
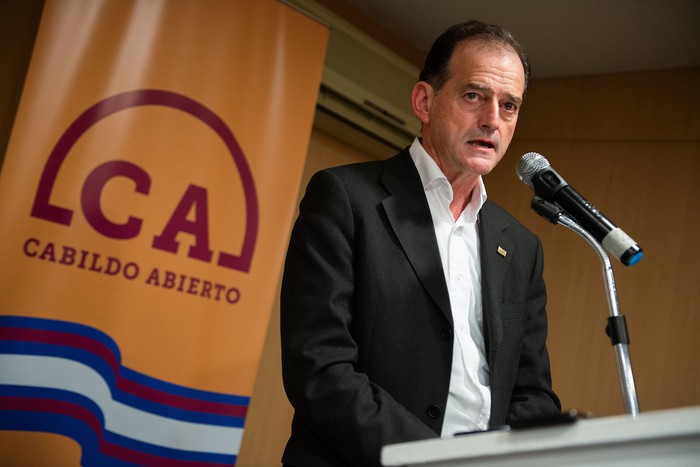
(509, 106)
(471, 96)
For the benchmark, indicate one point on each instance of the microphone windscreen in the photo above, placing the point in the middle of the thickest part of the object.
(529, 165)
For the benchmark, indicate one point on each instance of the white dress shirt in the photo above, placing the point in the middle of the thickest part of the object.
(469, 400)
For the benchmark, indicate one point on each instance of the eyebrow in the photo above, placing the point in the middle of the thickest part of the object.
(480, 87)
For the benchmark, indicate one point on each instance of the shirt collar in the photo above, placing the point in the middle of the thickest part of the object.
(433, 179)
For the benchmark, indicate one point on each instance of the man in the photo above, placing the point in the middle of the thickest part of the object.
(413, 307)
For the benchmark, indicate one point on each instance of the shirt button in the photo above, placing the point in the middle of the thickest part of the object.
(434, 411)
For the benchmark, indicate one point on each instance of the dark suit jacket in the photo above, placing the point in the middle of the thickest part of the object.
(366, 323)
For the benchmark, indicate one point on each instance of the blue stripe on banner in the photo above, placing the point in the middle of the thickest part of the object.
(52, 394)
(183, 390)
(105, 371)
(170, 453)
(53, 350)
(76, 416)
(62, 326)
(21, 420)
(62, 425)
(104, 339)
(102, 367)
(44, 421)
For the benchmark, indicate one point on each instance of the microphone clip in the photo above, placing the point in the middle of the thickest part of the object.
(549, 211)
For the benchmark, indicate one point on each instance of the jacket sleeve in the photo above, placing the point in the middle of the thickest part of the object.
(335, 404)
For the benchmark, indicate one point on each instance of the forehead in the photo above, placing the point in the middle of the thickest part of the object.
(494, 64)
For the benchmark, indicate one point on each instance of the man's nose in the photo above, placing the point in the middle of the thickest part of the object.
(490, 117)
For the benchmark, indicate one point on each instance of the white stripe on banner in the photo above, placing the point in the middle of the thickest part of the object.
(121, 419)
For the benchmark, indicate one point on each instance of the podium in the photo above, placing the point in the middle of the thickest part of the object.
(660, 438)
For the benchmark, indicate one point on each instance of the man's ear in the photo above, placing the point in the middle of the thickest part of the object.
(422, 98)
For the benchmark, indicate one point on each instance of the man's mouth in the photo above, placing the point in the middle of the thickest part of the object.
(481, 143)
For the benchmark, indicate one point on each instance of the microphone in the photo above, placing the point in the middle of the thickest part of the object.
(534, 170)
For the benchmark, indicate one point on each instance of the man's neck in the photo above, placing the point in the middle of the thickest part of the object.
(461, 195)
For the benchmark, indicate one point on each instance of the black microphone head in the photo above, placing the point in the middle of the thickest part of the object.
(529, 165)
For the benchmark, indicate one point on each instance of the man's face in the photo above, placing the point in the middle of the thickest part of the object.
(469, 123)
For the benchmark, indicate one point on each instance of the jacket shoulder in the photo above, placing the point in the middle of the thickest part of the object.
(494, 214)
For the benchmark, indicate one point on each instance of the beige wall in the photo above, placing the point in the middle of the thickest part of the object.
(631, 144)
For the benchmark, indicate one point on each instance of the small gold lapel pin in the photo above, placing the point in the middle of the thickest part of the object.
(502, 252)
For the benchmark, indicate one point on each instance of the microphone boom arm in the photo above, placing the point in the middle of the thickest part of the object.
(617, 327)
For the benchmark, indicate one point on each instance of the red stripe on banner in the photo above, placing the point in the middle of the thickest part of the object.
(62, 338)
(31, 404)
(124, 384)
(181, 402)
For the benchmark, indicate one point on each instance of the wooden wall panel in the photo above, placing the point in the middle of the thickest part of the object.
(630, 143)
(649, 106)
(647, 189)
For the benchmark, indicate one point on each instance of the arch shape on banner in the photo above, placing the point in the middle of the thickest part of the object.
(44, 209)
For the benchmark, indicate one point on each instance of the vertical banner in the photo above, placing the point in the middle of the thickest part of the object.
(145, 204)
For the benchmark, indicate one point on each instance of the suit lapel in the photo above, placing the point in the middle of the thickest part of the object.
(496, 253)
(409, 215)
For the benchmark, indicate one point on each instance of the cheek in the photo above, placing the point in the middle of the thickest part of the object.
(507, 131)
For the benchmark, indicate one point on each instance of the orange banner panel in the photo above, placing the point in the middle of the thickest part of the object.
(147, 196)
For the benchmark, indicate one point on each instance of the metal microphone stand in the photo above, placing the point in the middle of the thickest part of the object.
(617, 327)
